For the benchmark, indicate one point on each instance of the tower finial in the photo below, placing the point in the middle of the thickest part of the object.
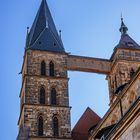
(60, 33)
(123, 28)
(27, 38)
(27, 30)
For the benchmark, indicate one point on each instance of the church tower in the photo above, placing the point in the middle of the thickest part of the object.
(44, 98)
(124, 63)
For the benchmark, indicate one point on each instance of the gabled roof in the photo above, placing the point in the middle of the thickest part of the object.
(87, 120)
(43, 34)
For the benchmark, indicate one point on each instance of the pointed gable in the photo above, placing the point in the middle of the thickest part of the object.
(43, 34)
(87, 120)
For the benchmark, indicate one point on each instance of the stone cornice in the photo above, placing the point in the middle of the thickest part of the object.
(39, 105)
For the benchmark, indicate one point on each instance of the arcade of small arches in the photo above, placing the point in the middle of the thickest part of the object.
(51, 68)
(53, 101)
(53, 96)
(55, 125)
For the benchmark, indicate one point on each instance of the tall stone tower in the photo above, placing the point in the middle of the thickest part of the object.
(45, 110)
(124, 63)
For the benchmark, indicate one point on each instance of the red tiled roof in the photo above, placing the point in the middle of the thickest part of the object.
(87, 120)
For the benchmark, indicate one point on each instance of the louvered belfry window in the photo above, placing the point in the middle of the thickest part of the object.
(51, 69)
(43, 68)
(55, 127)
(40, 126)
(42, 96)
(53, 97)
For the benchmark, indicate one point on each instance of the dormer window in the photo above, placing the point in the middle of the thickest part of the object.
(130, 44)
(54, 44)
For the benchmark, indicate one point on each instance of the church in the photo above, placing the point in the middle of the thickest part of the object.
(45, 113)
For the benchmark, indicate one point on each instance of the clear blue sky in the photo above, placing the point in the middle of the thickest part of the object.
(89, 28)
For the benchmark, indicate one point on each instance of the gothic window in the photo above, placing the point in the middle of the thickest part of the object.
(40, 126)
(51, 69)
(55, 127)
(42, 96)
(53, 97)
(43, 68)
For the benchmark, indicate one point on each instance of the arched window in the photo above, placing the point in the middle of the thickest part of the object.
(40, 126)
(51, 69)
(43, 68)
(42, 96)
(53, 97)
(55, 127)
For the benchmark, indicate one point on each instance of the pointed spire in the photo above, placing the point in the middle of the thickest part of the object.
(43, 34)
(123, 28)
(126, 42)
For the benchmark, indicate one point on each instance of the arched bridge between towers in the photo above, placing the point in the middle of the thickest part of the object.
(88, 64)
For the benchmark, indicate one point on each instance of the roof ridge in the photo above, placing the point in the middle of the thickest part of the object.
(38, 37)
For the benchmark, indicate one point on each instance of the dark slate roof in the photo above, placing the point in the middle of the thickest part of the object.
(126, 42)
(43, 34)
(104, 131)
(87, 120)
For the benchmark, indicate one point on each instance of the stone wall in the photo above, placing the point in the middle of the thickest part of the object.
(132, 132)
(32, 112)
(127, 97)
(33, 81)
(123, 62)
(35, 58)
(34, 85)
(131, 95)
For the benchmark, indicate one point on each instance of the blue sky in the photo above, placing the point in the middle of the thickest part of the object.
(89, 28)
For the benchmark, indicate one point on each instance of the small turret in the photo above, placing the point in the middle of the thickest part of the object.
(123, 28)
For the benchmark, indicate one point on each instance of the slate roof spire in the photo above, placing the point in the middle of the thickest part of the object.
(43, 34)
(126, 42)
